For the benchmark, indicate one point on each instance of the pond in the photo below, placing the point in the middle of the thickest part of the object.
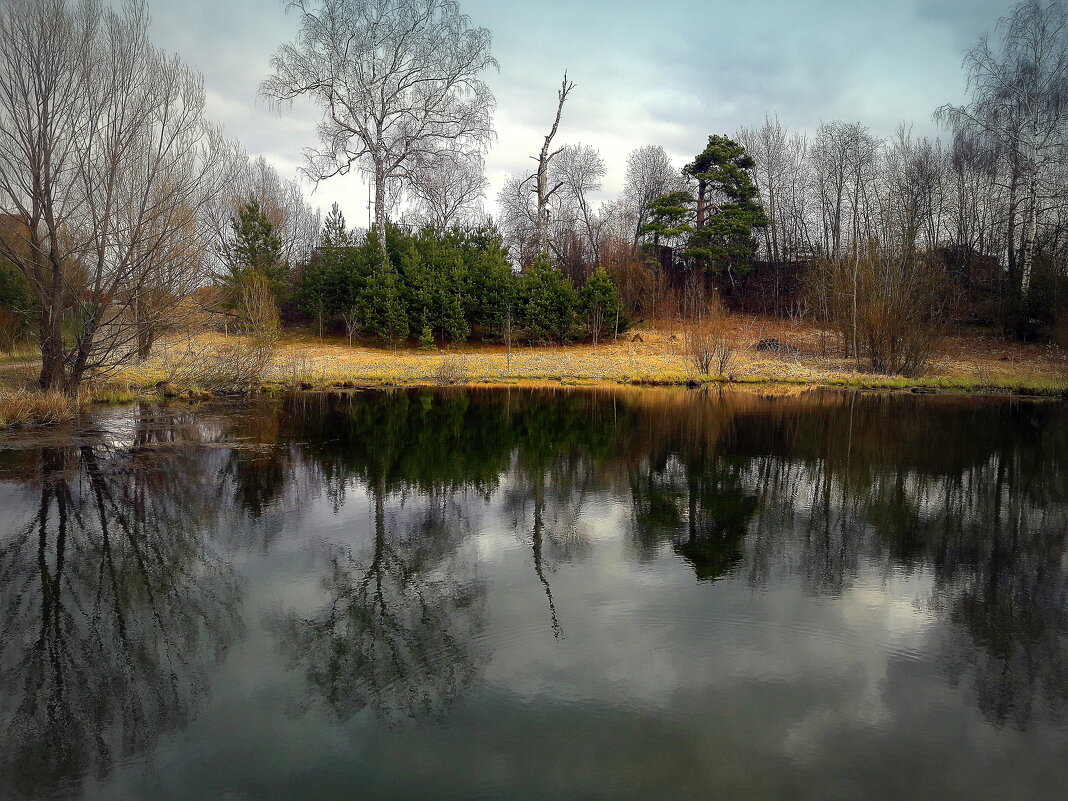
(535, 594)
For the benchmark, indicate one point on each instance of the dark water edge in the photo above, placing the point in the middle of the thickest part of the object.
(518, 593)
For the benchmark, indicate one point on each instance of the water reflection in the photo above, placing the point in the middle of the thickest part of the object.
(396, 631)
(972, 489)
(114, 607)
(118, 603)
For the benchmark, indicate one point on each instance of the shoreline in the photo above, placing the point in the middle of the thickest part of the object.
(128, 393)
(650, 355)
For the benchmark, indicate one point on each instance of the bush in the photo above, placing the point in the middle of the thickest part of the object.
(32, 407)
(707, 346)
(233, 364)
(452, 370)
(889, 310)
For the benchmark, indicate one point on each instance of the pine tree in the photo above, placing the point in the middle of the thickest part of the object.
(549, 302)
(451, 279)
(727, 208)
(335, 279)
(600, 304)
(315, 292)
(335, 230)
(418, 289)
(386, 312)
(492, 283)
(426, 338)
(255, 249)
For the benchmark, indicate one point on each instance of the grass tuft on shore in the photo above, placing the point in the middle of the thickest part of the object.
(24, 408)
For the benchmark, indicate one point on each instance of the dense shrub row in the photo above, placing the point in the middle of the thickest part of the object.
(449, 287)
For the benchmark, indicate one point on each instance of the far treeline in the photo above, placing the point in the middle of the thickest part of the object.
(126, 216)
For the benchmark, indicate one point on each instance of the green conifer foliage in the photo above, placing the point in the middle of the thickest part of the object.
(426, 338)
(728, 208)
(335, 230)
(549, 301)
(600, 304)
(386, 313)
(255, 249)
(419, 289)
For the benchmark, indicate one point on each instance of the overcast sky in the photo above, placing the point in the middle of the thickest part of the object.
(667, 72)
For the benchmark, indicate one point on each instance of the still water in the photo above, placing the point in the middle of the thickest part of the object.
(526, 594)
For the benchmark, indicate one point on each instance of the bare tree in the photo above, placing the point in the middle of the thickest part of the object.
(768, 147)
(913, 174)
(1019, 102)
(398, 82)
(578, 172)
(106, 163)
(447, 189)
(650, 174)
(517, 219)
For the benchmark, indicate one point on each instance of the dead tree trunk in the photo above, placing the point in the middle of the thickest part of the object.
(541, 220)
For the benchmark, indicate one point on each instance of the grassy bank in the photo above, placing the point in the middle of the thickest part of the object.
(23, 405)
(651, 355)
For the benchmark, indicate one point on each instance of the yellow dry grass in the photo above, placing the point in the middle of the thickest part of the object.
(20, 408)
(651, 354)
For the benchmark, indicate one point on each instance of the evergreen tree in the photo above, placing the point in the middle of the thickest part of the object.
(352, 276)
(315, 292)
(335, 230)
(451, 280)
(493, 285)
(386, 314)
(549, 302)
(254, 249)
(419, 290)
(670, 217)
(600, 304)
(426, 338)
(335, 275)
(727, 209)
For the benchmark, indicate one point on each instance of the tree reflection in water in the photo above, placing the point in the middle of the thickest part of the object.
(114, 606)
(113, 609)
(819, 486)
(396, 633)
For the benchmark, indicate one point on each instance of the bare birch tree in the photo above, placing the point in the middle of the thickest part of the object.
(1019, 102)
(650, 174)
(398, 82)
(579, 171)
(517, 219)
(106, 163)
